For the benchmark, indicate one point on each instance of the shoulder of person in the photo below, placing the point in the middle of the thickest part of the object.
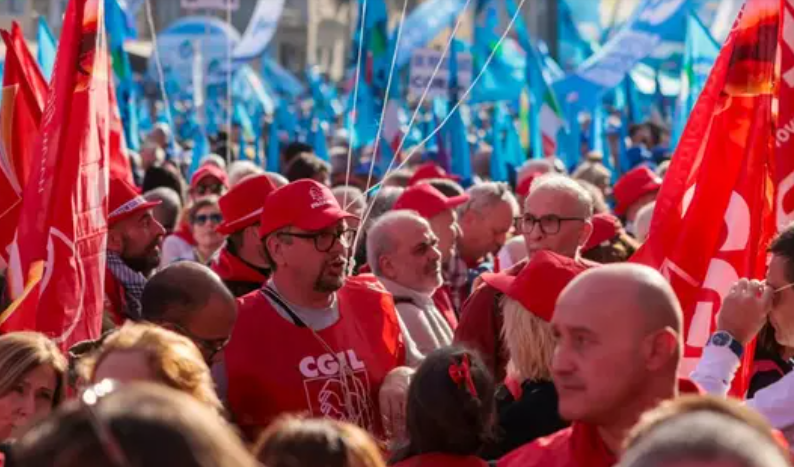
(547, 451)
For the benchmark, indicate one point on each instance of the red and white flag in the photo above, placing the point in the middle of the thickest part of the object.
(24, 92)
(714, 214)
(57, 265)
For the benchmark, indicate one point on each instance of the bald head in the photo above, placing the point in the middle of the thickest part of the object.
(180, 290)
(618, 346)
(630, 291)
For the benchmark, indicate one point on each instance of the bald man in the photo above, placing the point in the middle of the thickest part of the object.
(190, 299)
(618, 330)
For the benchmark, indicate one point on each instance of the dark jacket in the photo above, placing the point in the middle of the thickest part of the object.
(524, 414)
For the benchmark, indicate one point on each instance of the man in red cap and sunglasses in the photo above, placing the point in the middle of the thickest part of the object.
(311, 340)
(242, 264)
(133, 251)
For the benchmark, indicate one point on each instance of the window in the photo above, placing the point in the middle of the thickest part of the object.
(13, 7)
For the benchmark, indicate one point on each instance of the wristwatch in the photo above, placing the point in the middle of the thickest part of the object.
(725, 339)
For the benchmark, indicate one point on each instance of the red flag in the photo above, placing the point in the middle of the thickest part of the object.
(24, 91)
(713, 217)
(784, 162)
(59, 248)
(120, 166)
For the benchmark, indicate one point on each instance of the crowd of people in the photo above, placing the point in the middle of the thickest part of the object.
(255, 318)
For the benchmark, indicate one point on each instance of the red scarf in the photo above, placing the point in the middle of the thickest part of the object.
(183, 231)
(231, 268)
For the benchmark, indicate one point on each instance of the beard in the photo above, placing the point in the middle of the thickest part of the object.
(328, 280)
(145, 262)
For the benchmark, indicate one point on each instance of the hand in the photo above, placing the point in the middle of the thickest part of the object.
(745, 309)
(392, 397)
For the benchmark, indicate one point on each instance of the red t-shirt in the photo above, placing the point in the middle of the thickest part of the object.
(580, 445)
(441, 460)
(274, 366)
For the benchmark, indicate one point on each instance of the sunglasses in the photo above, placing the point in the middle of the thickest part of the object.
(215, 189)
(209, 347)
(202, 219)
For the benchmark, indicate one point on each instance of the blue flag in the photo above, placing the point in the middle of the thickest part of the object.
(45, 54)
(273, 156)
(201, 148)
(424, 23)
(318, 141)
(699, 56)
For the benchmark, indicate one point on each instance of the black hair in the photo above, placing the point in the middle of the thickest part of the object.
(179, 290)
(159, 176)
(293, 149)
(783, 246)
(444, 416)
(306, 165)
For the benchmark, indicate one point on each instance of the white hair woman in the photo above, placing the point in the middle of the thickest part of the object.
(527, 402)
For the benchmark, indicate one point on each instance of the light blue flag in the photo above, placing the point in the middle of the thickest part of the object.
(48, 47)
(273, 155)
(201, 148)
(260, 29)
(652, 23)
(424, 23)
(699, 56)
(318, 139)
(280, 79)
(499, 156)
(365, 126)
(504, 77)
(573, 49)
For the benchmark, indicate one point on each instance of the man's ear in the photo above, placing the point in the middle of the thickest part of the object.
(275, 247)
(115, 241)
(587, 230)
(660, 348)
(386, 266)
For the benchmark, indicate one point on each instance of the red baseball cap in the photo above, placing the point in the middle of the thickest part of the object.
(242, 205)
(523, 186)
(209, 170)
(605, 228)
(632, 186)
(124, 201)
(430, 170)
(539, 283)
(305, 204)
(427, 200)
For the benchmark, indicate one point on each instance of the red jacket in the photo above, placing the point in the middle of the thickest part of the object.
(441, 460)
(480, 325)
(577, 446)
(274, 366)
(238, 276)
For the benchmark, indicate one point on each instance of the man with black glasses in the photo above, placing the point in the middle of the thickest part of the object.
(749, 305)
(557, 217)
(312, 340)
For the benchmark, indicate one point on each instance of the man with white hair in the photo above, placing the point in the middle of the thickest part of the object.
(485, 220)
(557, 218)
(402, 251)
(239, 170)
(351, 198)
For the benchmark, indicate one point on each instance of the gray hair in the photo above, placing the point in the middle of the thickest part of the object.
(487, 195)
(277, 179)
(704, 437)
(238, 170)
(382, 203)
(219, 161)
(534, 166)
(565, 184)
(382, 236)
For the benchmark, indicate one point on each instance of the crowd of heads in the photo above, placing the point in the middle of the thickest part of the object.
(567, 316)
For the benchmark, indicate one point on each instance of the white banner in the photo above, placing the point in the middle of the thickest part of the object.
(423, 63)
(260, 30)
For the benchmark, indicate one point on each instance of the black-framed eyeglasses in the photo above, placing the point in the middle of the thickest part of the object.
(324, 241)
(549, 224)
(215, 218)
(109, 442)
(209, 347)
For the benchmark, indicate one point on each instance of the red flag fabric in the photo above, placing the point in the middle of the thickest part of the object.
(713, 217)
(24, 91)
(59, 249)
(784, 136)
(120, 166)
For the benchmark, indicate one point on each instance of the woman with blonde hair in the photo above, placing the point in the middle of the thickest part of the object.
(292, 441)
(145, 352)
(527, 402)
(32, 377)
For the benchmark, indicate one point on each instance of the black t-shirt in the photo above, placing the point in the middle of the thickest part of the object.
(768, 368)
